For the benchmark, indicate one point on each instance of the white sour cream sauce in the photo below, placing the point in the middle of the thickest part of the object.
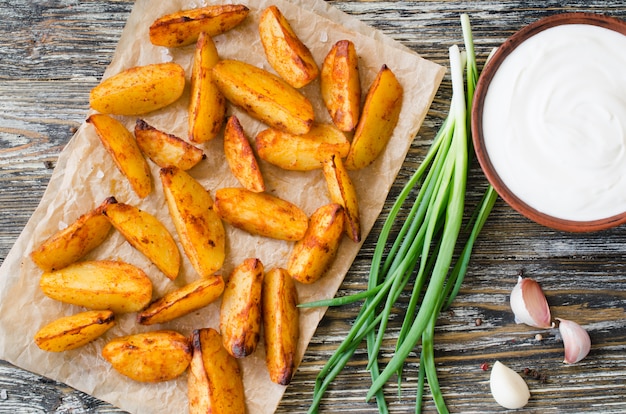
(554, 122)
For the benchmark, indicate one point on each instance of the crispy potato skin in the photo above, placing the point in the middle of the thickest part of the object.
(207, 105)
(311, 256)
(301, 152)
(183, 28)
(104, 284)
(261, 214)
(240, 312)
(166, 150)
(74, 331)
(340, 85)
(146, 234)
(183, 301)
(380, 115)
(200, 229)
(73, 242)
(281, 325)
(285, 52)
(264, 96)
(151, 356)
(122, 146)
(241, 158)
(214, 382)
(342, 192)
(139, 90)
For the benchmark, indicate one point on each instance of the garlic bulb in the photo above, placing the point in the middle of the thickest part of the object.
(529, 304)
(576, 341)
(508, 387)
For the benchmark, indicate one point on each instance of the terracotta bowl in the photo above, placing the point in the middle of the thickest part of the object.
(477, 121)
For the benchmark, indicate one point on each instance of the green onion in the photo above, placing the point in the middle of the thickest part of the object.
(421, 254)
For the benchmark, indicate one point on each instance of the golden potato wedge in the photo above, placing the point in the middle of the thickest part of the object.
(340, 85)
(70, 244)
(285, 52)
(74, 331)
(182, 301)
(215, 381)
(264, 96)
(261, 214)
(122, 146)
(311, 256)
(166, 150)
(241, 158)
(183, 28)
(139, 90)
(147, 234)
(380, 115)
(102, 284)
(342, 192)
(301, 152)
(207, 105)
(150, 356)
(281, 325)
(199, 228)
(240, 312)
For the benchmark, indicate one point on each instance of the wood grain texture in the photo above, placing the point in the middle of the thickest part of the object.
(52, 53)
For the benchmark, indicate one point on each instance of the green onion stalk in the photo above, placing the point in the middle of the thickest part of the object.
(422, 253)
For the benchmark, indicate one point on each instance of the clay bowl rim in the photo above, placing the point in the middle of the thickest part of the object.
(482, 86)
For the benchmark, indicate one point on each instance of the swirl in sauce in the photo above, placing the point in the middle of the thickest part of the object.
(554, 122)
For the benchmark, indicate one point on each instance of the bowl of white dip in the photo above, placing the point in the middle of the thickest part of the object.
(549, 121)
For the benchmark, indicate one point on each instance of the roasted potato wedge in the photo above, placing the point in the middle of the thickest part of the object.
(73, 242)
(264, 96)
(241, 158)
(240, 312)
(166, 150)
(215, 381)
(301, 152)
(104, 284)
(380, 115)
(74, 331)
(147, 234)
(261, 213)
(340, 85)
(285, 52)
(182, 301)
(139, 90)
(207, 105)
(311, 256)
(151, 356)
(281, 325)
(199, 228)
(183, 28)
(122, 146)
(342, 192)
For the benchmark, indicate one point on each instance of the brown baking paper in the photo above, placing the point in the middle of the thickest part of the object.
(85, 175)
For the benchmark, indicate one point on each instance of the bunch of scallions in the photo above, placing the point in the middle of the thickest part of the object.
(423, 251)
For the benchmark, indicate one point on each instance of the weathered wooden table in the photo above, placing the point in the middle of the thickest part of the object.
(51, 55)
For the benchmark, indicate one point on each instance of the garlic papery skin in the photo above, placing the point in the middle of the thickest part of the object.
(508, 387)
(529, 304)
(576, 341)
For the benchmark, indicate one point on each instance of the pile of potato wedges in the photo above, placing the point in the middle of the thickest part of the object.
(256, 303)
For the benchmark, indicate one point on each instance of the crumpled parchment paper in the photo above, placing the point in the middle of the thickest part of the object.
(85, 175)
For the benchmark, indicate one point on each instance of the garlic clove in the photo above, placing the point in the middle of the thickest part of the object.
(508, 387)
(529, 304)
(576, 341)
